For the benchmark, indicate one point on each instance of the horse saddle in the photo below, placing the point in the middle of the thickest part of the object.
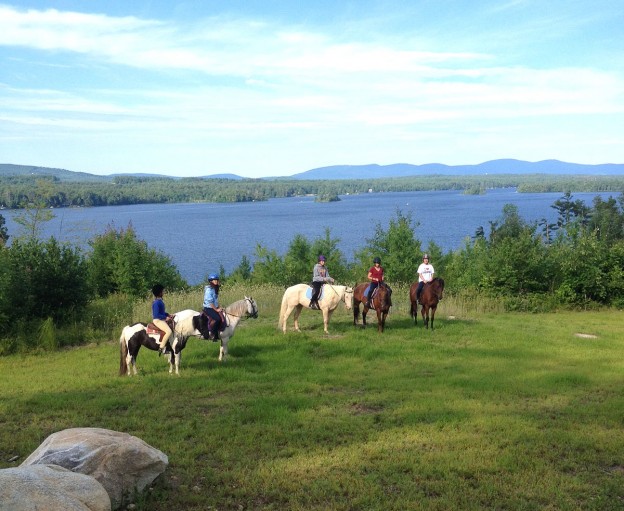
(152, 329)
(209, 323)
(310, 290)
(371, 305)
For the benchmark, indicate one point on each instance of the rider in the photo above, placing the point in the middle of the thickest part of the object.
(320, 275)
(160, 315)
(425, 275)
(211, 305)
(376, 276)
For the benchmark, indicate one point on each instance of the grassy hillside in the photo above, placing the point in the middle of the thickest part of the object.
(489, 411)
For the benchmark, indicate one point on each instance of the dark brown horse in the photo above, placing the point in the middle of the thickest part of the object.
(381, 302)
(429, 297)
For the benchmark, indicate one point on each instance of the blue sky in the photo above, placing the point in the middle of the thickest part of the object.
(279, 87)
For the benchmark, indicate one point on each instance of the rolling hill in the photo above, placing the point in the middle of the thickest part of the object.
(372, 171)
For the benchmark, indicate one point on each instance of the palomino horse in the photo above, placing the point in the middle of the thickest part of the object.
(298, 296)
(429, 297)
(381, 302)
(187, 323)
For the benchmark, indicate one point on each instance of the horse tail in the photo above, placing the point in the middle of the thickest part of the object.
(280, 322)
(123, 354)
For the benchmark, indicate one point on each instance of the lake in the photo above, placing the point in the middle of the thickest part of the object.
(199, 238)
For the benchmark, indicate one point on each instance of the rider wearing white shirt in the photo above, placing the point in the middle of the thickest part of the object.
(425, 275)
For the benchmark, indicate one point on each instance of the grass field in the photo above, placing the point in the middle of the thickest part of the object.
(489, 411)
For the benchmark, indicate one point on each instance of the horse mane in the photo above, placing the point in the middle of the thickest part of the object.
(237, 308)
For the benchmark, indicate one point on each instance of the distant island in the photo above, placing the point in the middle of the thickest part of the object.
(327, 197)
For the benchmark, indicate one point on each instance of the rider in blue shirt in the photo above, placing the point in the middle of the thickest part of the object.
(160, 315)
(211, 305)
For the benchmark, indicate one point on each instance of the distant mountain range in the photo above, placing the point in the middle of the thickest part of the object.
(372, 171)
(488, 167)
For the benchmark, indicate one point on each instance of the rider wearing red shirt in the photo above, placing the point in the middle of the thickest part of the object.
(376, 276)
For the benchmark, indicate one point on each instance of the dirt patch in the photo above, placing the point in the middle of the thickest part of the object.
(586, 336)
(362, 408)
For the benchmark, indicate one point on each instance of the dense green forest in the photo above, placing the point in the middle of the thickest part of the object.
(577, 261)
(49, 191)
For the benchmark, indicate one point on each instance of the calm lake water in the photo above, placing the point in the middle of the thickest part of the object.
(199, 238)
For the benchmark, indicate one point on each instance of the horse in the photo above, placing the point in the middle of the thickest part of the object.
(245, 308)
(429, 297)
(298, 296)
(187, 323)
(136, 335)
(381, 302)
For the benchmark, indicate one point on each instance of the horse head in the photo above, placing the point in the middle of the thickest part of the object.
(348, 297)
(383, 295)
(440, 290)
(252, 307)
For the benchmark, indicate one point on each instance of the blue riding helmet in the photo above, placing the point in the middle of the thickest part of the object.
(377, 260)
(213, 276)
(321, 258)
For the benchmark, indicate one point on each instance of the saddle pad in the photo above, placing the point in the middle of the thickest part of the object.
(310, 289)
(153, 329)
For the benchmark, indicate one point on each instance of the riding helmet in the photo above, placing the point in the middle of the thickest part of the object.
(377, 260)
(425, 256)
(158, 289)
(321, 258)
(213, 276)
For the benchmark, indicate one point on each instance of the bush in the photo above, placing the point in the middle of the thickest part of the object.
(42, 280)
(122, 263)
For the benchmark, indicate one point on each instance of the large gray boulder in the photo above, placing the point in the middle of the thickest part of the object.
(52, 488)
(122, 463)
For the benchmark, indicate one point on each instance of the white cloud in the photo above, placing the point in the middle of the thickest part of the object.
(227, 78)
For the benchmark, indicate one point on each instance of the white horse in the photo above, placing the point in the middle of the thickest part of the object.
(295, 297)
(187, 323)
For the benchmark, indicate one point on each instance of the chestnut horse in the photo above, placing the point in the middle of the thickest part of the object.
(429, 297)
(381, 302)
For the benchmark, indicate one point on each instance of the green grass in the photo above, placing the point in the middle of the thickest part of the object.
(488, 411)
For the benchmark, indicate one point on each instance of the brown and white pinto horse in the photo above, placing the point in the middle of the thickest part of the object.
(137, 335)
(380, 301)
(431, 294)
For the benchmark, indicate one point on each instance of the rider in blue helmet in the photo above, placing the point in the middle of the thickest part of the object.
(212, 308)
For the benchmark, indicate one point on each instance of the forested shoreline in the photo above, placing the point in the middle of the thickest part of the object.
(48, 287)
(17, 192)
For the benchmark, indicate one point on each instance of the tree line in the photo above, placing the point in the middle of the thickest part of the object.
(19, 192)
(577, 261)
